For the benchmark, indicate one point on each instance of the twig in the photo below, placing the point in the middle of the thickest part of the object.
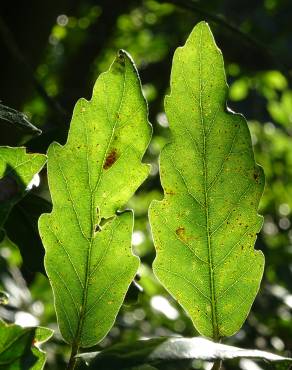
(73, 361)
(217, 365)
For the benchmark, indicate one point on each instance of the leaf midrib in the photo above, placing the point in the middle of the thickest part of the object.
(206, 202)
(82, 315)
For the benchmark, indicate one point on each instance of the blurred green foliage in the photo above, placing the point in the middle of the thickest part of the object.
(52, 53)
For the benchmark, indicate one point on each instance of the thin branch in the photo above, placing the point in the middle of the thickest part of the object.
(73, 360)
(217, 365)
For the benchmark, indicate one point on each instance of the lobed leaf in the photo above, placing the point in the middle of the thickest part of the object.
(88, 246)
(205, 228)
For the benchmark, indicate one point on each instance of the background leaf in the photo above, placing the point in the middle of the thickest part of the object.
(167, 353)
(88, 256)
(19, 347)
(17, 169)
(205, 228)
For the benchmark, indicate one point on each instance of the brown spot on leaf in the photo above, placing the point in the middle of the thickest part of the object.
(180, 232)
(110, 159)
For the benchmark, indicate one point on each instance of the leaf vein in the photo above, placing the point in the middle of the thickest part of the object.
(67, 254)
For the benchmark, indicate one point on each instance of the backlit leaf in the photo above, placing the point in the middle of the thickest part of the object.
(205, 228)
(174, 353)
(88, 245)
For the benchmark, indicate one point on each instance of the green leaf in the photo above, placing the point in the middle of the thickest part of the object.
(42, 334)
(19, 347)
(205, 228)
(167, 353)
(17, 169)
(88, 246)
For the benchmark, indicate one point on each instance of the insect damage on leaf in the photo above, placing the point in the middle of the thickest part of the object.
(180, 232)
(88, 258)
(215, 191)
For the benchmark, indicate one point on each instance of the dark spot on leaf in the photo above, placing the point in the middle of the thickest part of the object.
(180, 232)
(169, 192)
(256, 177)
(121, 59)
(110, 159)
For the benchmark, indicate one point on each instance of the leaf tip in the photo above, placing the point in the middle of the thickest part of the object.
(123, 56)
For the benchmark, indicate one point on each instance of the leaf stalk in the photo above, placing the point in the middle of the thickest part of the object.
(73, 360)
(217, 365)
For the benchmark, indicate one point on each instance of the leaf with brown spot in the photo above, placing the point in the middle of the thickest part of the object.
(89, 259)
(216, 187)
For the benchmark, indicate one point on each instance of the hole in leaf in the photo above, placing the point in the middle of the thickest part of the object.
(102, 223)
